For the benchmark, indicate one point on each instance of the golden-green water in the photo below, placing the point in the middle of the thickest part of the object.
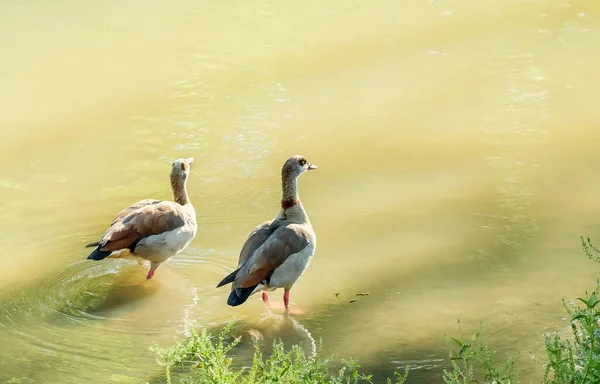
(457, 154)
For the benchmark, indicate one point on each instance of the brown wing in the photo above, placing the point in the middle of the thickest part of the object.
(121, 215)
(256, 238)
(142, 203)
(284, 242)
(148, 220)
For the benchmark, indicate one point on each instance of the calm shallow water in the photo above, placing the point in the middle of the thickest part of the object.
(457, 169)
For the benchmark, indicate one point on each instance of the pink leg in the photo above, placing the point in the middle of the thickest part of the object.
(265, 297)
(286, 299)
(150, 274)
(286, 302)
(153, 267)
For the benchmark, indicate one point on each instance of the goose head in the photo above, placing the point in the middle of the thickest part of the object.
(295, 166)
(181, 169)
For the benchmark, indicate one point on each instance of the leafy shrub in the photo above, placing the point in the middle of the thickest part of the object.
(204, 359)
(477, 363)
(577, 359)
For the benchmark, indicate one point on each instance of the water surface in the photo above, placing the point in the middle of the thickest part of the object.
(457, 168)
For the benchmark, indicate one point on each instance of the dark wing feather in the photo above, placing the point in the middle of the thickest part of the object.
(255, 239)
(284, 242)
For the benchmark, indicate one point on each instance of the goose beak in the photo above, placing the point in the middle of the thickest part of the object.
(190, 160)
(311, 166)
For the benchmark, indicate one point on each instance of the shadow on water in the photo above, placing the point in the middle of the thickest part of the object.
(81, 290)
(94, 296)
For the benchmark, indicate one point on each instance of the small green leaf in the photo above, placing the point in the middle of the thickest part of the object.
(584, 301)
(580, 316)
(458, 342)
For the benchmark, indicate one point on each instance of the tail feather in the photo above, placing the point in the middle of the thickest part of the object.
(97, 254)
(94, 244)
(228, 279)
(240, 295)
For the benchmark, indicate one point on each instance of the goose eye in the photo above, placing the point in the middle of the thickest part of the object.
(184, 166)
(302, 162)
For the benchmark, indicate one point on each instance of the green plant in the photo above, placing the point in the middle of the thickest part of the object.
(590, 250)
(204, 359)
(576, 360)
(201, 354)
(476, 363)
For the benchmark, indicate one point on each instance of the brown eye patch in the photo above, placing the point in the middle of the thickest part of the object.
(184, 166)
(302, 162)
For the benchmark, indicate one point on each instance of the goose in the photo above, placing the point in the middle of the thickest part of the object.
(278, 251)
(150, 229)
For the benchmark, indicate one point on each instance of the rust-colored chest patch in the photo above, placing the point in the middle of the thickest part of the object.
(288, 203)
